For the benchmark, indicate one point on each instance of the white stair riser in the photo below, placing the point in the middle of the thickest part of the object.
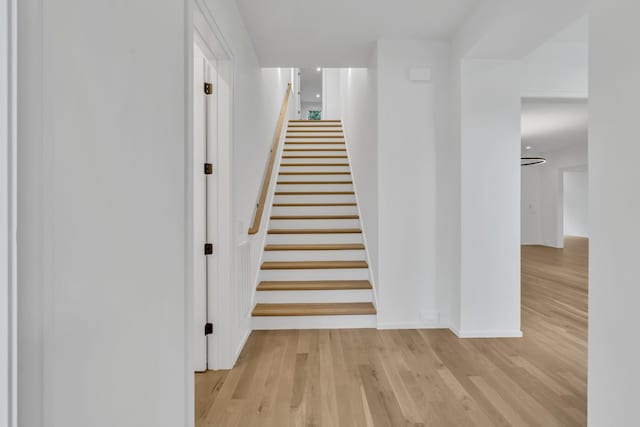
(336, 128)
(306, 145)
(315, 178)
(314, 322)
(316, 152)
(302, 123)
(321, 274)
(284, 168)
(314, 187)
(314, 210)
(350, 255)
(293, 135)
(286, 161)
(314, 139)
(313, 123)
(315, 223)
(326, 296)
(332, 198)
(310, 239)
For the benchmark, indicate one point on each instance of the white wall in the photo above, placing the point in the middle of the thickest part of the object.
(331, 101)
(542, 218)
(530, 227)
(103, 301)
(614, 209)
(490, 195)
(557, 70)
(101, 202)
(359, 119)
(576, 202)
(411, 125)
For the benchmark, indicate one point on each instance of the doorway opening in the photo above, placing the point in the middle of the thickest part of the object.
(311, 99)
(554, 194)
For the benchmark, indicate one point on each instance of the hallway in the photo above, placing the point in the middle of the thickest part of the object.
(373, 377)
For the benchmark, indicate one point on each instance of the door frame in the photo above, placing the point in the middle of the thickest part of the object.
(8, 215)
(203, 31)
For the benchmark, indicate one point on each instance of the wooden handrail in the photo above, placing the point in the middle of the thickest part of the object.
(257, 218)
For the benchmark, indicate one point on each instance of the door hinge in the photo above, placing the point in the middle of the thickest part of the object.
(208, 248)
(208, 168)
(208, 88)
(208, 328)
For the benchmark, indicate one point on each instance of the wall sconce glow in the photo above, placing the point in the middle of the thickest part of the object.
(318, 69)
(317, 95)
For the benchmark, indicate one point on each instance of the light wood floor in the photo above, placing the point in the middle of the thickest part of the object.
(420, 377)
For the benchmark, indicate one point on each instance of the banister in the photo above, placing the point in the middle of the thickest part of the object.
(257, 217)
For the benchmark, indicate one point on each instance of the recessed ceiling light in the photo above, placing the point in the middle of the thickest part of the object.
(318, 69)
(528, 147)
(317, 95)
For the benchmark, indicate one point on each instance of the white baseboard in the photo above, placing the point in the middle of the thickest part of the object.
(314, 322)
(410, 325)
(487, 334)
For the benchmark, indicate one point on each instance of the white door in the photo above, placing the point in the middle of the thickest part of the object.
(204, 198)
(212, 216)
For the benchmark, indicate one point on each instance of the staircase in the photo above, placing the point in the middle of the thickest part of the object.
(314, 272)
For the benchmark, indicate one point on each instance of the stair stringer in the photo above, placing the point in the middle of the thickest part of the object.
(364, 233)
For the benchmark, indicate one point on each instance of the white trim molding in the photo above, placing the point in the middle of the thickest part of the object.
(410, 325)
(8, 181)
(487, 334)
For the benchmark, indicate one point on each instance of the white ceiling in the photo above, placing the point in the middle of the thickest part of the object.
(342, 33)
(552, 124)
(310, 85)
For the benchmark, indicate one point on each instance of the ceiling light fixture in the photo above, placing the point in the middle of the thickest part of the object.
(317, 95)
(528, 147)
(318, 69)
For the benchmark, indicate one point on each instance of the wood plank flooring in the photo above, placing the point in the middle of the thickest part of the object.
(420, 377)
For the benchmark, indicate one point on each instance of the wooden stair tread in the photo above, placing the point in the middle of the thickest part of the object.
(322, 125)
(314, 309)
(315, 136)
(314, 231)
(314, 120)
(302, 130)
(312, 265)
(314, 157)
(314, 193)
(314, 182)
(282, 205)
(318, 247)
(314, 285)
(294, 217)
(314, 173)
(314, 164)
(315, 149)
(315, 143)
